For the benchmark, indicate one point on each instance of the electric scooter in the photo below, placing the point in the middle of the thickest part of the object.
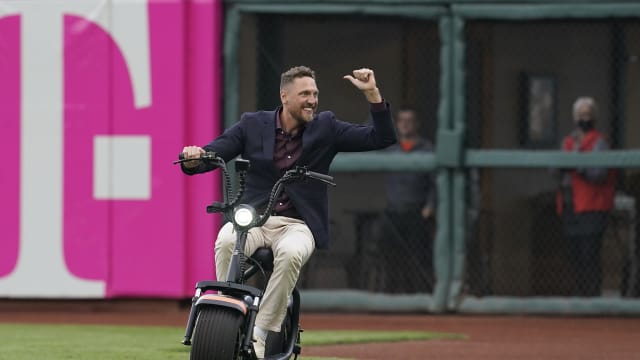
(220, 325)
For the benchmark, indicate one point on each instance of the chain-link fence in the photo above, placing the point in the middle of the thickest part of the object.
(375, 246)
(404, 54)
(521, 82)
(518, 244)
(524, 76)
(524, 80)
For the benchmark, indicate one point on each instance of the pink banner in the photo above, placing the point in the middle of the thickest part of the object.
(9, 141)
(105, 213)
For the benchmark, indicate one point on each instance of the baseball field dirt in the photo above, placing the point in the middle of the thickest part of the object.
(488, 337)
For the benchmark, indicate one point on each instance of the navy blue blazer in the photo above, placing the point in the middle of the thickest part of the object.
(253, 138)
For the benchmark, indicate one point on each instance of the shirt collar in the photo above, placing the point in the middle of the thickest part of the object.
(278, 123)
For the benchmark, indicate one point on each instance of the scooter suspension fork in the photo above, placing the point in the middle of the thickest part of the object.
(253, 312)
(192, 319)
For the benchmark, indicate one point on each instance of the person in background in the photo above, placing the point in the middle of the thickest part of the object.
(585, 199)
(409, 214)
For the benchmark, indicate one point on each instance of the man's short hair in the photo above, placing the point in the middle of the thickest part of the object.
(290, 75)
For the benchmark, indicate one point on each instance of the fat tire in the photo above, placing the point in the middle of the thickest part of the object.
(217, 334)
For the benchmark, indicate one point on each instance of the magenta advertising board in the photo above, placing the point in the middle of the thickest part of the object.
(97, 97)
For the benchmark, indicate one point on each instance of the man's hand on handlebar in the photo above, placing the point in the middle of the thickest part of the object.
(192, 152)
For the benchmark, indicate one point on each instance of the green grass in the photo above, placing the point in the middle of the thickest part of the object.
(107, 342)
(333, 337)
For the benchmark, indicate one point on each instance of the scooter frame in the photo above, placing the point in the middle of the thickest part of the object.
(233, 293)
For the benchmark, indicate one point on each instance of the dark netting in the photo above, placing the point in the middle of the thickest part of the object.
(478, 239)
(630, 186)
(518, 244)
(523, 78)
(374, 248)
(404, 54)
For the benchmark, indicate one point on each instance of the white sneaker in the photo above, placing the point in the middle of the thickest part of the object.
(259, 347)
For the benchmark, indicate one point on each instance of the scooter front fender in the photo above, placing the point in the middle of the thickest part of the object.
(224, 301)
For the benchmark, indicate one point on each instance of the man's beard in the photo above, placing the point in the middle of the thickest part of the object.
(300, 121)
(301, 116)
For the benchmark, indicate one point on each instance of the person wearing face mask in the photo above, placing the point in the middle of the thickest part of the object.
(294, 134)
(585, 199)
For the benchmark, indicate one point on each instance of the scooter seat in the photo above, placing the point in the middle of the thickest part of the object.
(264, 256)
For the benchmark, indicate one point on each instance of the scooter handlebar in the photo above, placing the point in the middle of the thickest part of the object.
(319, 176)
(322, 177)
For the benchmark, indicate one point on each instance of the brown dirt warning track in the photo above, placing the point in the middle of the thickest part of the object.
(488, 337)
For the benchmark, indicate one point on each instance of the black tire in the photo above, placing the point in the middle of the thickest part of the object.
(217, 334)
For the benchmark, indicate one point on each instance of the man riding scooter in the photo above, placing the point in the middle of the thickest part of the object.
(294, 134)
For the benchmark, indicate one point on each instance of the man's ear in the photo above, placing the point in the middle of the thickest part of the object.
(283, 95)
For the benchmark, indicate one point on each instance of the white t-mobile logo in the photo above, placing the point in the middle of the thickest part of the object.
(41, 269)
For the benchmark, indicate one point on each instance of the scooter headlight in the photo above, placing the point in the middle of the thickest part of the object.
(244, 216)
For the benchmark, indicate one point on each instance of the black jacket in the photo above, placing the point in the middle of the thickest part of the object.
(253, 138)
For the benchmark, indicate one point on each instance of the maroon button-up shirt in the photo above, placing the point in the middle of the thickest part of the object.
(287, 151)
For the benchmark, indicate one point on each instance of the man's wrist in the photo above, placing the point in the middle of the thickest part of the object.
(373, 95)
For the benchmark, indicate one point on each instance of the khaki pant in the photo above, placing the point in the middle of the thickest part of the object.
(292, 244)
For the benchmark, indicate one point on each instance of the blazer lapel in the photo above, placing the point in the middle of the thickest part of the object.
(307, 136)
(269, 135)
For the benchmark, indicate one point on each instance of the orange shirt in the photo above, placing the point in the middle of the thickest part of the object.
(407, 145)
